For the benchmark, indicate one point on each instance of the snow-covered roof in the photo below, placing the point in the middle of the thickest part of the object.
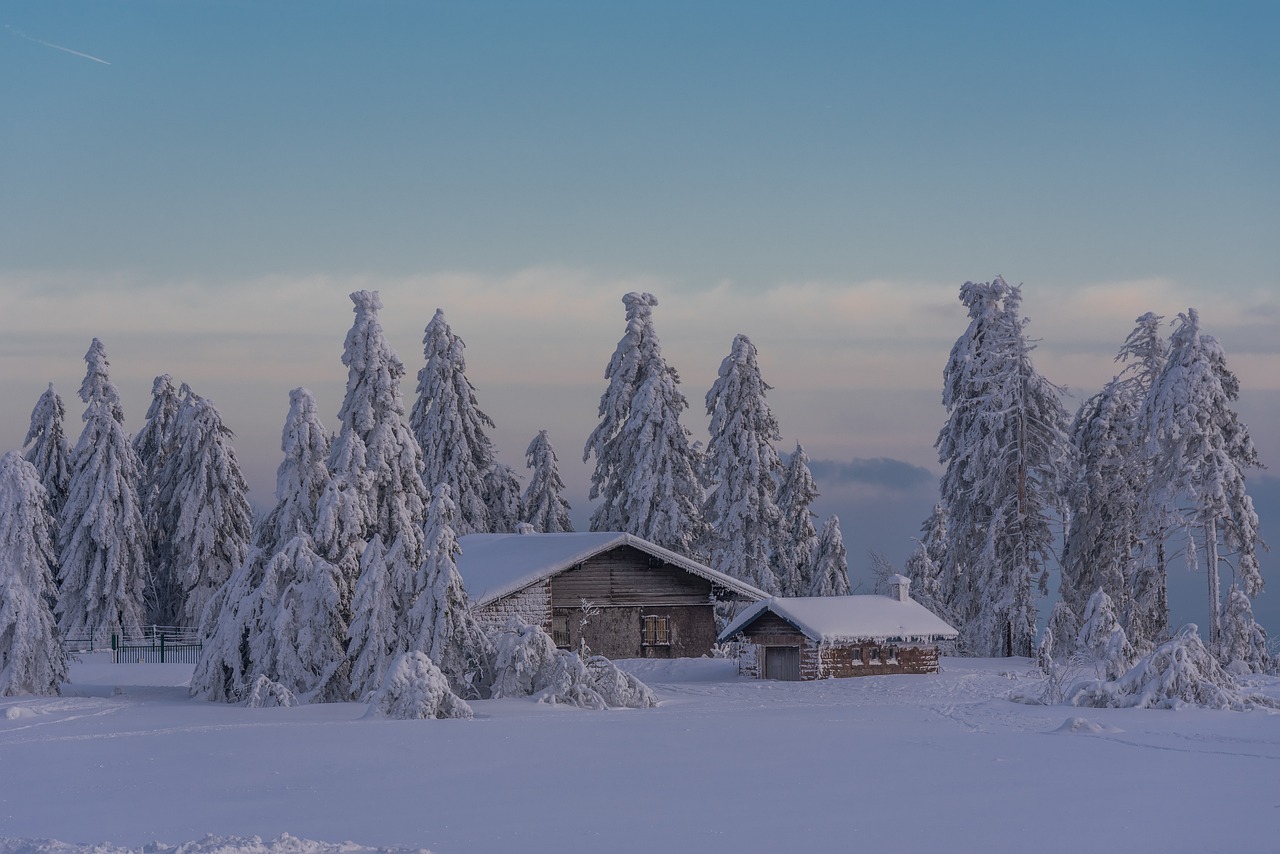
(844, 618)
(496, 565)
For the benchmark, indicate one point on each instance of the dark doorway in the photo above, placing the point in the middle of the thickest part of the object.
(782, 662)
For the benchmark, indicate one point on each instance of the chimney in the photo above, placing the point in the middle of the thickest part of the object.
(899, 587)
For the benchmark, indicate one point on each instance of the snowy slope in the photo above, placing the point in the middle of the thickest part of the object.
(900, 763)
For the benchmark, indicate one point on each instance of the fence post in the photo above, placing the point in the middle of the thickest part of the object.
(162, 647)
(115, 648)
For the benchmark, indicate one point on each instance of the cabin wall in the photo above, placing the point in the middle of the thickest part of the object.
(618, 631)
(839, 660)
(531, 605)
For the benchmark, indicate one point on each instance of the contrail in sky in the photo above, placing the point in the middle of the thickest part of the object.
(21, 34)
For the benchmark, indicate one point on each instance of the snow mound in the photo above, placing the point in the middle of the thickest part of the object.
(283, 844)
(12, 713)
(1086, 726)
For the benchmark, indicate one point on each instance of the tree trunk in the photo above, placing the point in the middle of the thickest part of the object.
(1211, 560)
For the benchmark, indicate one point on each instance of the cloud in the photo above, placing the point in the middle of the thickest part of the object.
(878, 472)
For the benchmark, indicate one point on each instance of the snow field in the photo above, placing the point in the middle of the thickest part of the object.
(899, 763)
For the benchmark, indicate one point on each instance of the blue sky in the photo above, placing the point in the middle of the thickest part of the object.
(820, 176)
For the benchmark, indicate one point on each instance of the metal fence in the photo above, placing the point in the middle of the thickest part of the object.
(150, 645)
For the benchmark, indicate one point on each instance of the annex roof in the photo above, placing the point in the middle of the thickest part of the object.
(846, 618)
(496, 565)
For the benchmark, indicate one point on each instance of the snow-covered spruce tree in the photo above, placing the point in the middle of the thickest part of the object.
(372, 638)
(31, 657)
(415, 689)
(101, 538)
(1102, 638)
(647, 473)
(742, 470)
(1201, 451)
(502, 497)
(343, 515)
(204, 497)
(309, 626)
(47, 449)
(1060, 637)
(830, 566)
(924, 565)
(793, 549)
(301, 477)
(440, 622)
(1242, 643)
(390, 474)
(152, 444)
(1006, 459)
(450, 427)
(238, 632)
(544, 505)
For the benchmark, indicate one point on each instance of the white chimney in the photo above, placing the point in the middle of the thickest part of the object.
(899, 587)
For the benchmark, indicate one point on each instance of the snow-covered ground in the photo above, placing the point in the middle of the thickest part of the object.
(900, 763)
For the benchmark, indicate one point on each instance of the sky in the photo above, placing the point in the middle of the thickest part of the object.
(201, 184)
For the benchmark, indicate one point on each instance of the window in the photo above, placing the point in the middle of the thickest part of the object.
(560, 630)
(874, 657)
(657, 631)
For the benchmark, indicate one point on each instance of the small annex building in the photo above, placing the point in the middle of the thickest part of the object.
(816, 637)
(623, 595)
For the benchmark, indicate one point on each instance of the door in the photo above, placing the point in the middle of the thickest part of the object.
(782, 662)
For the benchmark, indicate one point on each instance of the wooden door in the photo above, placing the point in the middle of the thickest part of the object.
(782, 662)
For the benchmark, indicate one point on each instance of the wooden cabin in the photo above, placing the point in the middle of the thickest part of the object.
(622, 595)
(818, 637)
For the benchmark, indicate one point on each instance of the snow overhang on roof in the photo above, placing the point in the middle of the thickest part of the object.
(834, 619)
(497, 565)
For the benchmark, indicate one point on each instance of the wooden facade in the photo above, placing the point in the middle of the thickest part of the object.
(623, 602)
(763, 643)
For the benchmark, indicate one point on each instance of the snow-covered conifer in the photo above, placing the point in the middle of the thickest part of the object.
(743, 470)
(31, 657)
(544, 505)
(502, 497)
(1060, 637)
(371, 636)
(301, 477)
(238, 632)
(523, 653)
(343, 513)
(924, 565)
(1006, 459)
(829, 575)
(450, 427)
(440, 621)
(647, 473)
(102, 539)
(415, 689)
(204, 497)
(152, 445)
(1242, 645)
(309, 626)
(1201, 452)
(265, 694)
(47, 449)
(1102, 638)
(793, 550)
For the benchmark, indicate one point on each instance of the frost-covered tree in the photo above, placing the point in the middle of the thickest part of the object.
(238, 632)
(1005, 457)
(1060, 637)
(743, 470)
(343, 515)
(1242, 643)
(47, 448)
(415, 689)
(310, 630)
(440, 622)
(301, 477)
(204, 497)
(647, 473)
(390, 477)
(153, 444)
(527, 663)
(1102, 638)
(793, 548)
(544, 505)
(502, 497)
(372, 638)
(1201, 452)
(450, 427)
(830, 566)
(924, 565)
(32, 660)
(101, 539)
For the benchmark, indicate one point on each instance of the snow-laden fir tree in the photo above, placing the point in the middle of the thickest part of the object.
(450, 427)
(829, 575)
(924, 565)
(647, 472)
(1102, 639)
(153, 444)
(793, 548)
(743, 471)
(415, 689)
(101, 538)
(343, 515)
(238, 632)
(32, 660)
(1060, 638)
(1201, 452)
(372, 638)
(1242, 643)
(1006, 458)
(203, 497)
(301, 477)
(390, 481)
(502, 497)
(309, 626)
(440, 620)
(544, 505)
(47, 448)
